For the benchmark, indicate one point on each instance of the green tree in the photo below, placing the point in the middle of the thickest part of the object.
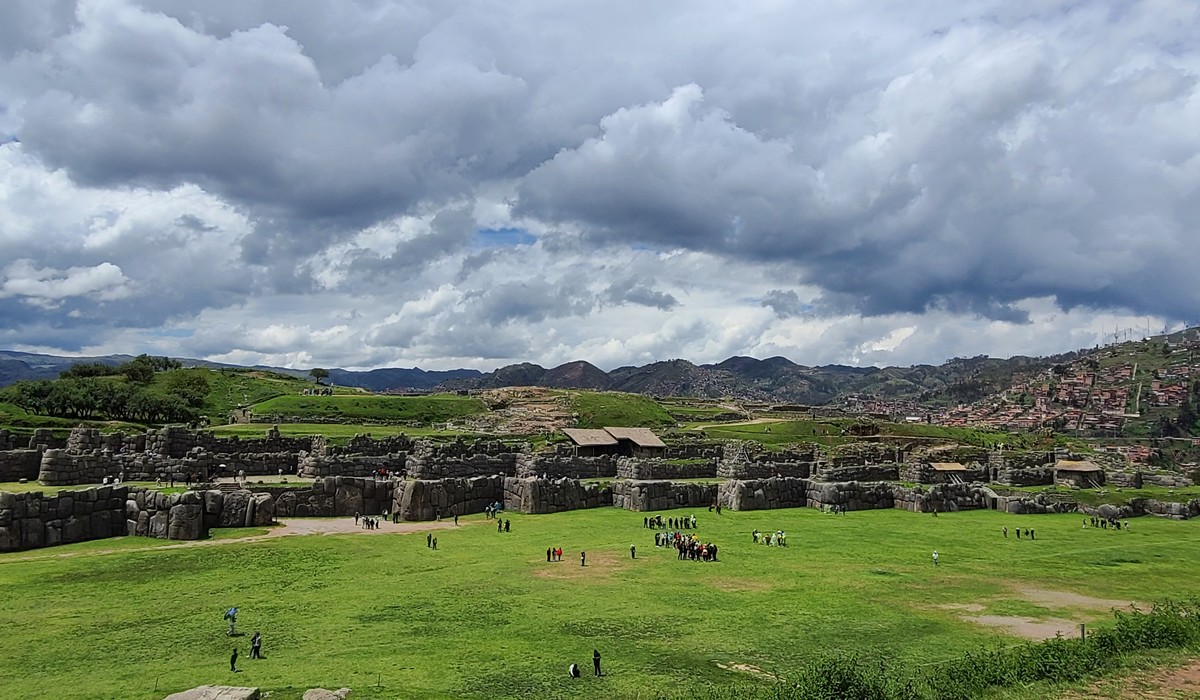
(318, 374)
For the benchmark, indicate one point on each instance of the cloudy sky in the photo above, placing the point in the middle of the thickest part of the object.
(469, 184)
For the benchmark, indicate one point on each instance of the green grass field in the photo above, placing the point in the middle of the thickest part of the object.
(422, 409)
(486, 616)
(336, 432)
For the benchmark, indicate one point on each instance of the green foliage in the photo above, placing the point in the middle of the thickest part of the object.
(357, 408)
(80, 370)
(318, 374)
(610, 408)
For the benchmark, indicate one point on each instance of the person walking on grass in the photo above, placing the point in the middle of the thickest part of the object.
(596, 661)
(233, 661)
(583, 558)
(256, 646)
(935, 557)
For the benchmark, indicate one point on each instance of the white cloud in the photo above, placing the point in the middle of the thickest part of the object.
(299, 183)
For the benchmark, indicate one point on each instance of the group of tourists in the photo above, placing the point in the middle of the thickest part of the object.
(1105, 523)
(770, 539)
(690, 548)
(554, 554)
(657, 522)
(502, 525)
(489, 511)
(835, 508)
(1030, 533)
(430, 540)
(714, 506)
(369, 523)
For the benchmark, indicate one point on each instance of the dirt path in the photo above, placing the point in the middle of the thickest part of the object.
(286, 527)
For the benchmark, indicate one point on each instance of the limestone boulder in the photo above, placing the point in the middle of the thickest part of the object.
(233, 511)
(186, 522)
(264, 509)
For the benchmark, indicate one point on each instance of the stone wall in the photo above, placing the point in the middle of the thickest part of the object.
(32, 520)
(320, 466)
(530, 495)
(460, 459)
(645, 496)
(334, 496)
(367, 446)
(942, 498)
(924, 473)
(1138, 479)
(740, 468)
(17, 464)
(1033, 476)
(41, 436)
(658, 469)
(425, 499)
(564, 464)
(764, 494)
(859, 472)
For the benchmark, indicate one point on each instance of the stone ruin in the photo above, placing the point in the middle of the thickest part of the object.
(466, 476)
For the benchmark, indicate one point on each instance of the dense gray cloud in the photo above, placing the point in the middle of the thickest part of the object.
(399, 182)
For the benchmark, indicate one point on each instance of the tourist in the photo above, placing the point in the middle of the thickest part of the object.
(429, 539)
(573, 670)
(1018, 533)
(558, 554)
(1006, 531)
(1031, 535)
(596, 661)
(506, 524)
(935, 557)
(499, 525)
(435, 543)
(583, 558)
(356, 517)
(456, 520)
(549, 553)
(632, 552)
(256, 646)
(646, 522)
(233, 661)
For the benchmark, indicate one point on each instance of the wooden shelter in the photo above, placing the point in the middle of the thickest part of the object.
(637, 442)
(592, 443)
(1082, 472)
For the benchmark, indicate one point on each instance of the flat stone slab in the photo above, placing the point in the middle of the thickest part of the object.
(216, 692)
(322, 694)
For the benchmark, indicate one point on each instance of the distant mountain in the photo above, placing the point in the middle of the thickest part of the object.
(576, 375)
(775, 379)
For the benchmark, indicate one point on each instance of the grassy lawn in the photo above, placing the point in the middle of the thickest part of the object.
(336, 432)
(778, 433)
(422, 409)
(487, 616)
(609, 408)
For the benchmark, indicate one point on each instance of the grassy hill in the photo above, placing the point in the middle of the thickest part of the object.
(350, 408)
(608, 408)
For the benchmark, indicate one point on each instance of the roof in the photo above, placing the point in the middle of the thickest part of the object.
(585, 437)
(947, 467)
(1070, 465)
(642, 437)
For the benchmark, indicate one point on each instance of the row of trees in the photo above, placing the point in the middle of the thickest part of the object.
(92, 391)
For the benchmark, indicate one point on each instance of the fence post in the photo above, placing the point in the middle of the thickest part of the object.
(1082, 631)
